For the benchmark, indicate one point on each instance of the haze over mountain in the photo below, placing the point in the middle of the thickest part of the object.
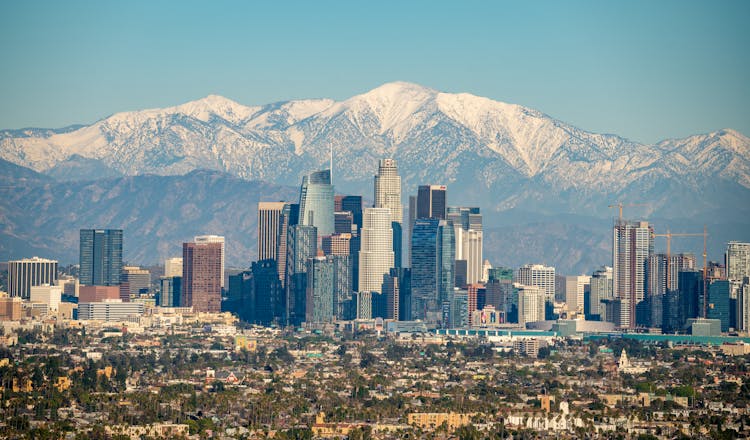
(543, 185)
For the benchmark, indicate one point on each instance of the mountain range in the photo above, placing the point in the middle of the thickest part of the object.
(544, 186)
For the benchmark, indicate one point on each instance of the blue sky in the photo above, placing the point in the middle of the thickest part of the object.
(646, 70)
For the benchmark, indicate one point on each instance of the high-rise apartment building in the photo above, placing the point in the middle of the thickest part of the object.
(738, 260)
(575, 287)
(23, 274)
(632, 244)
(432, 201)
(376, 252)
(538, 275)
(269, 219)
(215, 239)
(531, 303)
(657, 275)
(100, 257)
(388, 188)
(316, 204)
(600, 290)
(201, 283)
(320, 283)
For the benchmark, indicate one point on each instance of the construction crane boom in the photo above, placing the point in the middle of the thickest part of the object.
(620, 205)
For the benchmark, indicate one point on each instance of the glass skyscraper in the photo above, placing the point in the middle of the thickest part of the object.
(316, 206)
(100, 257)
(432, 271)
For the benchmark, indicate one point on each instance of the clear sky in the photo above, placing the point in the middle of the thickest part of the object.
(646, 70)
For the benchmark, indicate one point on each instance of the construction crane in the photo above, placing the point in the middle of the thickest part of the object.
(619, 205)
(669, 236)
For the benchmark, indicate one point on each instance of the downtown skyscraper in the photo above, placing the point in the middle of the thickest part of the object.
(432, 268)
(388, 189)
(100, 257)
(269, 218)
(202, 275)
(376, 255)
(316, 205)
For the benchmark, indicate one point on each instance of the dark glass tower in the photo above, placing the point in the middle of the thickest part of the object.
(433, 268)
(100, 257)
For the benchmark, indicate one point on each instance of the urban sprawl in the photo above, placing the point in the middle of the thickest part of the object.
(360, 322)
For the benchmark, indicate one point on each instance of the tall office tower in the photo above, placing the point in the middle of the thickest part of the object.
(173, 267)
(717, 302)
(538, 275)
(100, 257)
(631, 246)
(575, 286)
(269, 219)
(137, 279)
(601, 289)
(683, 304)
(391, 291)
(254, 295)
(376, 254)
(471, 243)
(289, 217)
(214, 239)
(352, 204)
(337, 244)
(433, 268)
(737, 260)
(171, 291)
(410, 226)
(388, 189)
(500, 293)
(343, 222)
(316, 202)
(302, 244)
(319, 302)
(431, 201)
(23, 274)
(201, 282)
(240, 296)
(467, 223)
(267, 291)
(342, 284)
(531, 303)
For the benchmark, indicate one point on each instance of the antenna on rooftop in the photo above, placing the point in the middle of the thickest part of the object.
(331, 166)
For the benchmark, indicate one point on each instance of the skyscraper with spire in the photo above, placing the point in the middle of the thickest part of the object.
(316, 206)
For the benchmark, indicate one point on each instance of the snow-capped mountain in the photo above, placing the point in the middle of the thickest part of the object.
(460, 139)
(544, 186)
